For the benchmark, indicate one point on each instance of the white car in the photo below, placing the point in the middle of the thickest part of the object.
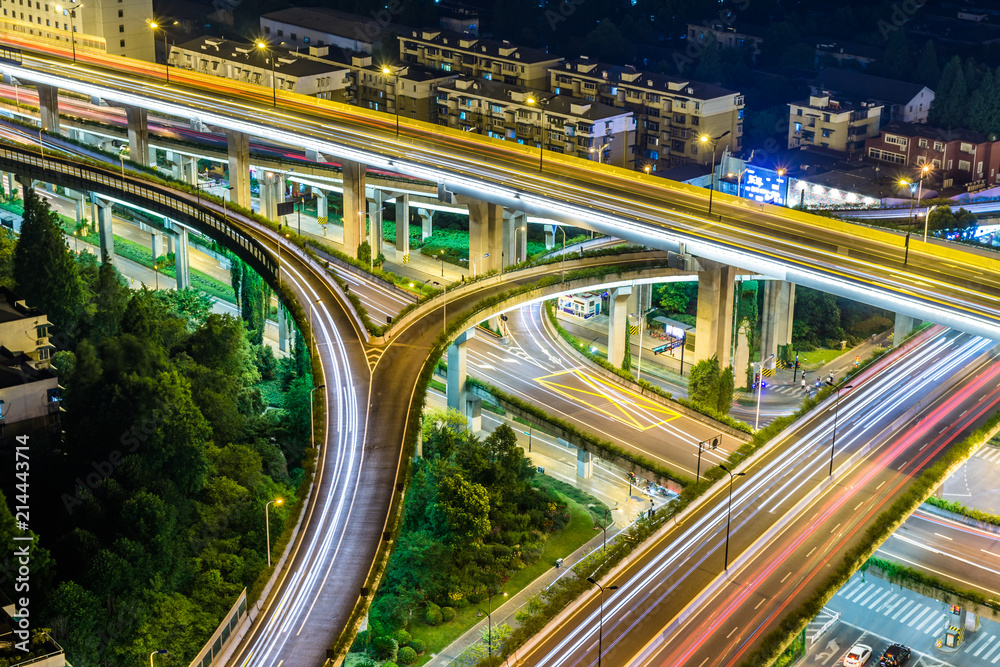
(858, 656)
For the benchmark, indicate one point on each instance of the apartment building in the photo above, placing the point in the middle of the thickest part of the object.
(670, 113)
(900, 100)
(304, 73)
(962, 156)
(481, 58)
(726, 36)
(24, 330)
(118, 27)
(838, 125)
(414, 88)
(320, 26)
(564, 124)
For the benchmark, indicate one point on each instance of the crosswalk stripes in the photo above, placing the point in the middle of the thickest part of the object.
(991, 454)
(906, 606)
(981, 648)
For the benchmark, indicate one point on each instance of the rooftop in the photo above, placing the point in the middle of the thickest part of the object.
(826, 102)
(17, 369)
(13, 308)
(934, 133)
(333, 22)
(552, 104)
(629, 75)
(287, 61)
(484, 47)
(856, 84)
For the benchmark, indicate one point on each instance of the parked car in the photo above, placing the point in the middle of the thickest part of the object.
(858, 656)
(895, 656)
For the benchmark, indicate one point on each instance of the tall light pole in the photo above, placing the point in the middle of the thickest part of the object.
(760, 388)
(162, 651)
(267, 525)
(225, 197)
(262, 45)
(41, 145)
(517, 248)
(442, 285)
(473, 263)
(927, 219)
(729, 513)
(121, 157)
(563, 230)
(924, 173)
(532, 101)
(705, 139)
(72, 23)
(166, 51)
(836, 414)
(600, 626)
(312, 426)
(489, 620)
(395, 89)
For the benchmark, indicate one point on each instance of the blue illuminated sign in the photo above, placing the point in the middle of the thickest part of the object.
(763, 185)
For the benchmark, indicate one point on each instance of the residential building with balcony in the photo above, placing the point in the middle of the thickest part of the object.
(564, 124)
(901, 100)
(670, 112)
(24, 330)
(481, 58)
(321, 26)
(958, 156)
(838, 125)
(413, 86)
(726, 37)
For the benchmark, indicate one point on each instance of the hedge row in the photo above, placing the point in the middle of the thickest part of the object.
(958, 508)
(931, 586)
(774, 644)
(582, 349)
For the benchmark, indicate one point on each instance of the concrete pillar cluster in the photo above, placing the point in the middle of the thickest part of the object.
(402, 225)
(714, 331)
(322, 206)
(188, 168)
(617, 321)
(283, 333)
(376, 215)
(238, 145)
(355, 228)
(138, 136)
(584, 464)
(485, 234)
(779, 311)
(48, 107)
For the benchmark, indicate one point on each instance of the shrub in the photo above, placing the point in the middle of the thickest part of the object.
(418, 646)
(384, 648)
(432, 615)
(461, 603)
(403, 637)
(447, 614)
(407, 656)
(477, 596)
(389, 664)
(361, 641)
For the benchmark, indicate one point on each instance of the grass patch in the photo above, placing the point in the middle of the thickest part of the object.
(817, 358)
(558, 545)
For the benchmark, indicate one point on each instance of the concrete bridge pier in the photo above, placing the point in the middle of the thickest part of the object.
(283, 333)
(426, 222)
(138, 137)
(48, 107)
(376, 216)
(515, 241)
(903, 328)
(617, 321)
(457, 389)
(238, 147)
(485, 234)
(182, 261)
(155, 243)
(584, 464)
(272, 187)
(188, 168)
(402, 225)
(355, 229)
(779, 311)
(101, 211)
(714, 330)
(322, 206)
(550, 237)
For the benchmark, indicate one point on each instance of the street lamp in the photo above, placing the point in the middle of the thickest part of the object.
(607, 517)
(517, 248)
(395, 92)
(531, 101)
(442, 285)
(642, 327)
(162, 651)
(121, 157)
(563, 230)
(72, 24)
(473, 263)
(312, 426)
(924, 172)
(705, 139)
(441, 257)
(739, 179)
(267, 525)
(262, 45)
(927, 218)
(600, 627)
(729, 513)
(225, 197)
(489, 620)
(836, 413)
(760, 387)
(41, 145)
(166, 51)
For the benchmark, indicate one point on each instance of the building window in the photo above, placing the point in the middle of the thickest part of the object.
(886, 156)
(121, 28)
(122, 43)
(964, 165)
(694, 149)
(893, 139)
(677, 146)
(654, 155)
(43, 354)
(798, 112)
(681, 119)
(293, 36)
(922, 143)
(798, 127)
(121, 13)
(267, 30)
(965, 148)
(827, 133)
(938, 146)
(281, 33)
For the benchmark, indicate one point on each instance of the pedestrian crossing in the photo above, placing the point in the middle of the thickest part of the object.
(991, 454)
(788, 389)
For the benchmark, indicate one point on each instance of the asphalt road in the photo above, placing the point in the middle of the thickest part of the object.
(641, 622)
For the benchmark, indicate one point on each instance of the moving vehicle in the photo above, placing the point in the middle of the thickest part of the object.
(895, 656)
(858, 656)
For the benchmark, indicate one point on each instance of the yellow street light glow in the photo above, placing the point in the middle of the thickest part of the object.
(781, 172)
(386, 70)
(903, 181)
(530, 100)
(279, 501)
(154, 25)
(260, 44)
(703, 138)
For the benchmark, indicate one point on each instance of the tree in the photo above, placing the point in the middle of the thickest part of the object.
(709, 67)
(627, 357)
(727, 387)
(703, 384)
(950, 99)
(112, 299)
(465, 505)
(927, 70)
(676, 297)
(8, 246)
(44, 269)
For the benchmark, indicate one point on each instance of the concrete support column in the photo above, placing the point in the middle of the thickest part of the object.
(713, 335)
(485, 234)
(11, 184)
(282, 329)
(354, 206)
(584, 464)
(376, 216)
(238, 145)
(138, 136)
(904, 326)
(322, 206)
(779, 310)
(271, 189)
(48, 107)
(426, 222)
(402, 225)
(155, 244)
(188, 169)
(474, 413)
(515, 237)
(457, 389)
(550, 236)
(182, 262)
(105, 230)
(617, 321)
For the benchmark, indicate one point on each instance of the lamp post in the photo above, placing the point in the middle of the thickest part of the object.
(489, 620)
(705, 139)
(166, 51)
(473, 263)
(729, 512)
(600, 625)
(72, 24)
(739, 179)
(642, 327)
(836, 414)
(262, 45)
(517, 249)
(121, 157)
(563, 230)
(784, 200)
(395, 92)
(267, 525)
(162, 651)
(607, 517)
(760, 387)
(312, 426)
(442, 285)
(924, 172)
(441, 257)
(41, 146)
(541, 128)
(225, 197)
(927, 218)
